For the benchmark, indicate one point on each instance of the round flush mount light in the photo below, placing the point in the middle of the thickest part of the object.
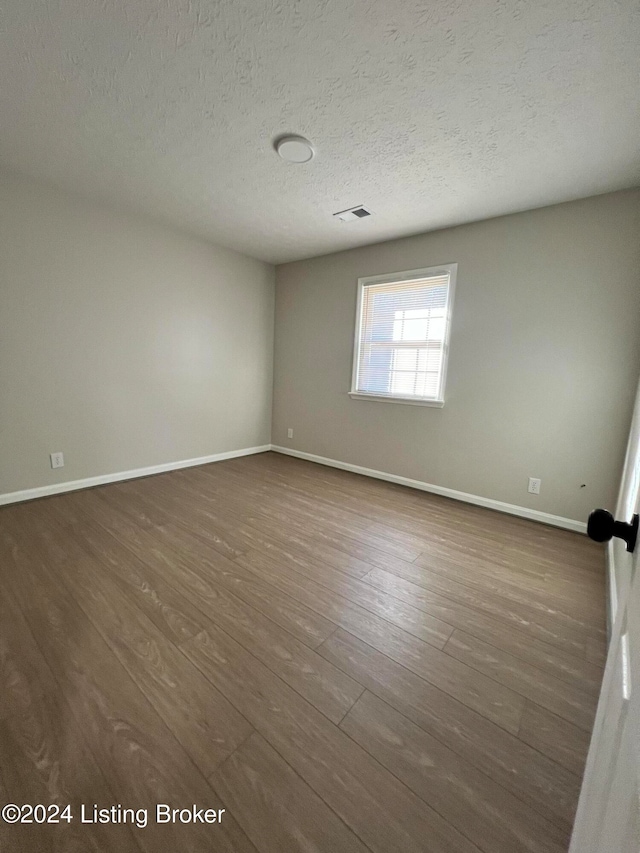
(295, 149)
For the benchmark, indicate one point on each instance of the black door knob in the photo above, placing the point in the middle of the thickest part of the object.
(602, 526)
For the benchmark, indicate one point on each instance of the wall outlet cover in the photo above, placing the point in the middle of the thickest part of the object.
(57, 460)
(534, 485)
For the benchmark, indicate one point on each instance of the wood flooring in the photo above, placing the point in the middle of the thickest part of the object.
(340, 664)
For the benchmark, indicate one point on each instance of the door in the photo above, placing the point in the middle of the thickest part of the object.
(608, 817)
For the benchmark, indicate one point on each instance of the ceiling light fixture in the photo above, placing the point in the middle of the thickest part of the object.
(295, 149)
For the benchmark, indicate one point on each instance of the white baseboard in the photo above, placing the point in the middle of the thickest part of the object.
(510, 509)
(73, 485)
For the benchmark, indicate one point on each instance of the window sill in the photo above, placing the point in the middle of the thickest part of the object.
(408, 401)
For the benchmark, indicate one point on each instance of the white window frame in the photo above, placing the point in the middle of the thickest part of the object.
(393, 278)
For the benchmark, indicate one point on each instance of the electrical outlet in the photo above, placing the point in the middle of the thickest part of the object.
(289, 433)
(534, 485)
(57, 460)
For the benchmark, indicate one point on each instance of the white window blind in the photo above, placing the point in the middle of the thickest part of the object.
(402, 336)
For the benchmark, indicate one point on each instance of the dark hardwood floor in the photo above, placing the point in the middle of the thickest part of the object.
(339, 663)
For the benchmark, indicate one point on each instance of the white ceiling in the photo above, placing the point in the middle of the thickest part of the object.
(431, 113)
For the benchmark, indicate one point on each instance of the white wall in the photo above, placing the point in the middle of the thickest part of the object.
(544, 359)
(123, 344)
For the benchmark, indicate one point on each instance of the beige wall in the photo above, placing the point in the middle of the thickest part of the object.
(122, 343)
(544, 360)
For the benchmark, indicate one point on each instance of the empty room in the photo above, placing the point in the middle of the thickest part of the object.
(319, 426)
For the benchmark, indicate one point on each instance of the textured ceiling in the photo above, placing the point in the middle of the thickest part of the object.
(430, 113)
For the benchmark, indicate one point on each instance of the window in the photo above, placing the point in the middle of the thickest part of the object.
(402, 336)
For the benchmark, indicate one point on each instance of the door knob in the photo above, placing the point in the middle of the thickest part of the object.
(602, 526)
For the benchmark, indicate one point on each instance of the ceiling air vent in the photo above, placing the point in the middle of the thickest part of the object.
(358, 212)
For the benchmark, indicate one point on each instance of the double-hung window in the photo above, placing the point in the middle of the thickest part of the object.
(402, 336)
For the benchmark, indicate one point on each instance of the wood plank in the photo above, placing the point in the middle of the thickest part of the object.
(196, 600)
(285, 589)
(131, 743)
(528, 774)
(576, 611)
(207, 726)
(275, 506)
(303, 622)
(168, 504)
(435, 517)
(172, 543)
(304, 511)
(567, 701)
(107, 546)
(560, 740)
(277, 809)
(494, 701)
(521, 616)
(373, 803)
(597, 649)
(522, 561)
(567, 667)
(427, 627)
(44, 755)
(306, 528)
(342, 611)
(262, 533)
(487, 813)
(17, 786)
